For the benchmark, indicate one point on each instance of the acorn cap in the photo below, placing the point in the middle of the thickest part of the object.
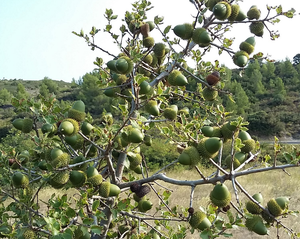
(253, 13)
(247, 47)
(95, 180)
(62, 160)
(29, 234)
(235, 9)
(134, 159)
(274, 208)
(148, 42)
(249, 145)
(104, 189)
(170, 113)
(257, 28)
(159, 49)
(209, 94)
(59, 179)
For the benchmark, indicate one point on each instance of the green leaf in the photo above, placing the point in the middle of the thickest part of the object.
(167, 29)
(95, 205)
(96, 229)
(88, 221)
(279, 9)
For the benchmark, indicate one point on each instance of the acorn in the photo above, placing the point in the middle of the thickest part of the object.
(27, 125)
(235, 9)
(134, 159)
(148, 59)
(145, 88)
(220, 195)
(147, 140)
(222, 10)
(76, 141)
(257, 28)
(239, 158)
(145, 29)
(241, 58)
(256, 225)
(212, 79)
(209, 147)
(42, 165)
(199, 220)
(144, 205)
(253, 207)
(77, 112)
(253, 13)
(184, 31)
(78, 178)
(249, 145)
(241, 16)
(152, 108)
(278, 205)
(142, 191)
(59, 179)
(93, 176)
(20, 180)
(201, 37)
(18, 123)
(119, 78)
(265, 215)
(176, 78)
(47, 128)
(151, 25)
(121, 65)
(134, 135)
(68, 127)
(112, 92)
(23, 157)
(112, 65)
(148, 42)
(171, 112)
(185, 111)
(209, 94)
(108, 190)
(227, 131)
(159, 49)
(211, 3)
(189, 156)
(86, 128)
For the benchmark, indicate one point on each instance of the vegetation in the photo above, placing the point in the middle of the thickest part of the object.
(146, 107)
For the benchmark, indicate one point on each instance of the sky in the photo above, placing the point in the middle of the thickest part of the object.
(36, 39)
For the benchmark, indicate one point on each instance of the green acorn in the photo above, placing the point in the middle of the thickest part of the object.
(111, 92)
(18, 123)
(62, 160)
(209, 94)
(244, 135)
(211, 3)
(220, 195)
(86, 128)
(78, 178)
(76, 141)
(20, 180)
(235, 9)
(144, 205)
(112, 65)
(77, 112)
(241, 58)
(159, 50)
(201, 37)
(134, 135)
(199, 220)
(249, 145)
(27, 125)
(269, 219)
(176, 78)
(257, 28)
(278, 205)
(23, 157)
(148, 140)
(152, 108)
(253, 13)
(121, 65)
(47, 128)
(148, 59)
(227, 131)
(93, 176)
(207, 130)
(185, 111)
(68, 127)
(134, 159)
(189, 156)
(145, 88)
(119, 78)
(222, 10)
(114, 190)
(241, 16)
(171, 112)
(256, 225)
(59, 179)
(209, 147)
(148, 42)
(42, 165)
(253, 207)
(184, 31)
(239, 158)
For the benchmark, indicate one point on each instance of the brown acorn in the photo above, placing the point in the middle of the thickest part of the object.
(212, 79)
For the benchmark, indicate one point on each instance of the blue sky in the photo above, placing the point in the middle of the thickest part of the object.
(36, 39)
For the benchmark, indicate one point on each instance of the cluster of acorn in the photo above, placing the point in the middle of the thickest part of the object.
(140, 192)
(25, 125)
(275, 206)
